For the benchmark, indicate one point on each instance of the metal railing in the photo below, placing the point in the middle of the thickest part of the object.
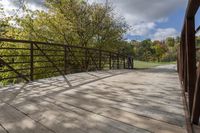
(29, 60)
(189, 71)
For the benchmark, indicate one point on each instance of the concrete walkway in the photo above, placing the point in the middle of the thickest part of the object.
(117, 101)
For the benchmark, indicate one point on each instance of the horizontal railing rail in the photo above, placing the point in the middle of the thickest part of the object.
(30, 60)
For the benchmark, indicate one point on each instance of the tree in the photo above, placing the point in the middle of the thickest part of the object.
(70, 22)
(3, 23)
(144, 50)
(160, 50)
(74, 22)
(170, 41)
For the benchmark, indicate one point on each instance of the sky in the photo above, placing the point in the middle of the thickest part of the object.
(154, 19)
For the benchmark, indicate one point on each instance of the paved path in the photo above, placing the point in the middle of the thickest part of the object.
(117, 101)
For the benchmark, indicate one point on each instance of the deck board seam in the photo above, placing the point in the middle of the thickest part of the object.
(114, 118)
(27, 116)
(118, 101)
(131, 113)
(89, 112)
(88, 82)
(4, 128)
(93, 113)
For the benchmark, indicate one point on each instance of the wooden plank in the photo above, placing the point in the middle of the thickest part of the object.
(134, 120)
(99, 119)
(65, 117)
(16, 122)
(2, 130)
(119, 104)
(89, 102)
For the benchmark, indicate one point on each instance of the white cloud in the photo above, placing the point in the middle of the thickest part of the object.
(162, 34)
(142, 28)
(12, 7)
(198, 33)
(162, 20)
(144, 15)
(145, 10)
(8, 6)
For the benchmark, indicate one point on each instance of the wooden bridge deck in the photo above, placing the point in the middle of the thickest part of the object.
(116, 101)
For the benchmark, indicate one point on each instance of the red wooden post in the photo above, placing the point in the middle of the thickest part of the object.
(181, 60)
(184, 61)
(191, 59)
(178, 60)
(196, 105)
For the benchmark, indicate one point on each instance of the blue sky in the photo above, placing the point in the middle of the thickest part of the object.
(154, 19)
(174, 20)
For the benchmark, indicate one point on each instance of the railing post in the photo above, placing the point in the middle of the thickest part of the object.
(117, 60)
(110, 60)
(181, 60)
(132, 63)
(65, 60)
(191, 59)
(86, 59)
(178, 58)
(31, 62)
(196, 106)
(100, 56)
(124, 62)
(184, 64)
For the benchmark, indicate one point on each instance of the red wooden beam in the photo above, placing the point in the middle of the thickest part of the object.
(184, 61)
(181, 60)
(192, 8)
(191, 59)
(196, 105)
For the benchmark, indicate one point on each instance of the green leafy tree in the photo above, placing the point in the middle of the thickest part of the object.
(3, 23)
(170, 41)
(144, 50)
(160, 50)
(70, 22)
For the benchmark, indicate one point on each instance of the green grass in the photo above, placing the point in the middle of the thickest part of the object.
(143, 64)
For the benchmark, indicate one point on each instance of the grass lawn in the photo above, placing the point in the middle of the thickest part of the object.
(143, 64)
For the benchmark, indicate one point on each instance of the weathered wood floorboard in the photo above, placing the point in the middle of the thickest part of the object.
(117, 101)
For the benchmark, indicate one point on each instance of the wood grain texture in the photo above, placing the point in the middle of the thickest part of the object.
(115, 101)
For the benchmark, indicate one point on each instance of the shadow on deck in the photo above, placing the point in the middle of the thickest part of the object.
(115, 101)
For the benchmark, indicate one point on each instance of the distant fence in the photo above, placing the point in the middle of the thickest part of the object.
(29, 60)
(188, 67)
